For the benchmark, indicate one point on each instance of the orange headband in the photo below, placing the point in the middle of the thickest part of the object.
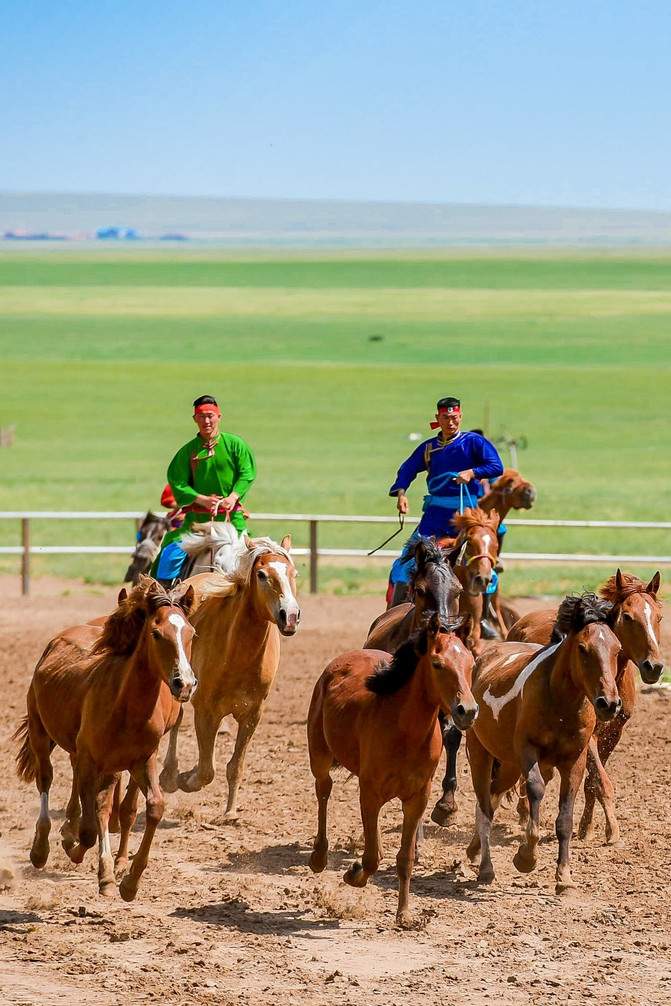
(201, 410)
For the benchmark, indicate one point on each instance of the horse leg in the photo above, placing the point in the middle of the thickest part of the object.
(87, 779)
(127, 815)
(571, 776)
(236, 764)
(359, 872)
(319, 857)
(481, 773)
(598, 785)
(525, 858)
(106, 788)
(522, 804)
(446, 806)
(413, 810)
(207, 723)
(114, 812)
(146, 777)
(169, 776)
(70, 825)
(41, 746)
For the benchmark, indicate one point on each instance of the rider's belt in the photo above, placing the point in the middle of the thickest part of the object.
(448, 502)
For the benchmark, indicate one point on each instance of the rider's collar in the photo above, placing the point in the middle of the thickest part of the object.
(444, 441)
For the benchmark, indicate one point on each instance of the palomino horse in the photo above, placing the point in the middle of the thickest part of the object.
(538, 709)
(108, 707)
(378, 717)
(149, 537)
(433, 587)
(637, 617)
(238, 622)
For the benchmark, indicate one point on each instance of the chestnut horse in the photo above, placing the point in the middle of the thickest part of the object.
(538, 709)
(238, 620)
(377, 716)
(108, 706)
(433, 587)
(473, 555)
(638, 614)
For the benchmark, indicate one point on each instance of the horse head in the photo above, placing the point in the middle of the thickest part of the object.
(477, 547)
(271, 576)
(433, 585)
(587, 622)
(443, 645)
(170, 636)
(637, 625)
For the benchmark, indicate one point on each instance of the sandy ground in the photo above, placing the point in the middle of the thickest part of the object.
(232, 914)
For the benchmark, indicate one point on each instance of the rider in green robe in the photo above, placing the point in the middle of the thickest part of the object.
(210, 477)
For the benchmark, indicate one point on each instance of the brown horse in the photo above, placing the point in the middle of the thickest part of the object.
(638, 615)
(433, 587)
(378, 717)
(108, 706)
(238, 620)
(474, 554)
(509, 492)
(538, 709)
(149, 537)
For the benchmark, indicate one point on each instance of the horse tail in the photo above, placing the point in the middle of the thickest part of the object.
(26, 763)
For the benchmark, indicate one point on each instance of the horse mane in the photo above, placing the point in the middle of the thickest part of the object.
(630, 584)
(424, 551)
(224, 584)
(387, 679)
(475, 517)
(121, 632)
(577, 611)
(205, 535)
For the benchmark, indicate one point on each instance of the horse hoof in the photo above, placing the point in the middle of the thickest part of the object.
(127, 889)
(76, 853)
(523, 862)
(442, 813)
(318, 861)
(564, 887)
(39, 856)
(188, 782)
(168, 781)
(231, 817)
(615, 842)
(355, 876)
(107, 889)
(486, 876)
(586, 831)
(404, 919)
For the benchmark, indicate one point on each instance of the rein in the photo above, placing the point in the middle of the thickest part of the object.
(401, 522)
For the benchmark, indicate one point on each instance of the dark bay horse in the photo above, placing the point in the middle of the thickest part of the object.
(637, 618)
(538, 709)
(149, 537)
(378, 717)
(433, 587)
(107, 705)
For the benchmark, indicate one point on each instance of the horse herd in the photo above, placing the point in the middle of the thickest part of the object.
(553, 695)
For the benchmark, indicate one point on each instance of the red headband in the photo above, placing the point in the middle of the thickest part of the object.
(449, 410)
(201, 410)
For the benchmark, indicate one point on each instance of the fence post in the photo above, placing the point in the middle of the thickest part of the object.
(25, 557)
(314, 586)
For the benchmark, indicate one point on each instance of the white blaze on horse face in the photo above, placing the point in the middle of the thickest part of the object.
(497, 702)
(287, 600)
(183, 664)
(486, 540)
(647, 609)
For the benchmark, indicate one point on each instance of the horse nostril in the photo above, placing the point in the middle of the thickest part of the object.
(460, 710)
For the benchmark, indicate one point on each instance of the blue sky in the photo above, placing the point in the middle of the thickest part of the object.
(548, 103)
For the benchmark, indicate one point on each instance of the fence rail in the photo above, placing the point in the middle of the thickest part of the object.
(26, 549)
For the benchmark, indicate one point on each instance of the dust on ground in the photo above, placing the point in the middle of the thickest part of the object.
(231, 913)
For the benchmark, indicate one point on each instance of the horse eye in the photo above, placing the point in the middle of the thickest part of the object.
(156, 633)
(261, 575)
(420, 591)
(627, 617)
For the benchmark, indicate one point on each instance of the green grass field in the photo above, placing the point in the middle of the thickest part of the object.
(326, 365)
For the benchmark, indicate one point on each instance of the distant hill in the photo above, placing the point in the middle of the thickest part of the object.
(332, 224)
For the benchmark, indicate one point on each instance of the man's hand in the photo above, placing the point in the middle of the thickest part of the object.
(465, 476)
(228, 502)
(208, 502)
(402, 503)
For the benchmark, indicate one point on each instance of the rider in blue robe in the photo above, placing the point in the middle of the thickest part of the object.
(455, 462)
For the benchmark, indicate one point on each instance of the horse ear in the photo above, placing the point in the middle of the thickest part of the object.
(653, 586)
(286, 543)
(464, 629)
(249, 543)
(185, 602)
(123, 594)
(618, 581)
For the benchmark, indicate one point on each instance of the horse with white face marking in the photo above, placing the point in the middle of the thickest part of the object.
(108, 705)
(538, 709)
(474, 554)
(637, 622)
(238, 620)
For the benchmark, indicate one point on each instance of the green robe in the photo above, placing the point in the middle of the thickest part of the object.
(191, 473)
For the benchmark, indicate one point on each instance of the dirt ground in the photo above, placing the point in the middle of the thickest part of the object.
(232, 914)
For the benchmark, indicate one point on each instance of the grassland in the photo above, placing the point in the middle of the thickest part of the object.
(327, 366)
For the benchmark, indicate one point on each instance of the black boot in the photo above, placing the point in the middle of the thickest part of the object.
(486, 624)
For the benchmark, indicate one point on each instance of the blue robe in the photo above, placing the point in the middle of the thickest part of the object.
(442, 462)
